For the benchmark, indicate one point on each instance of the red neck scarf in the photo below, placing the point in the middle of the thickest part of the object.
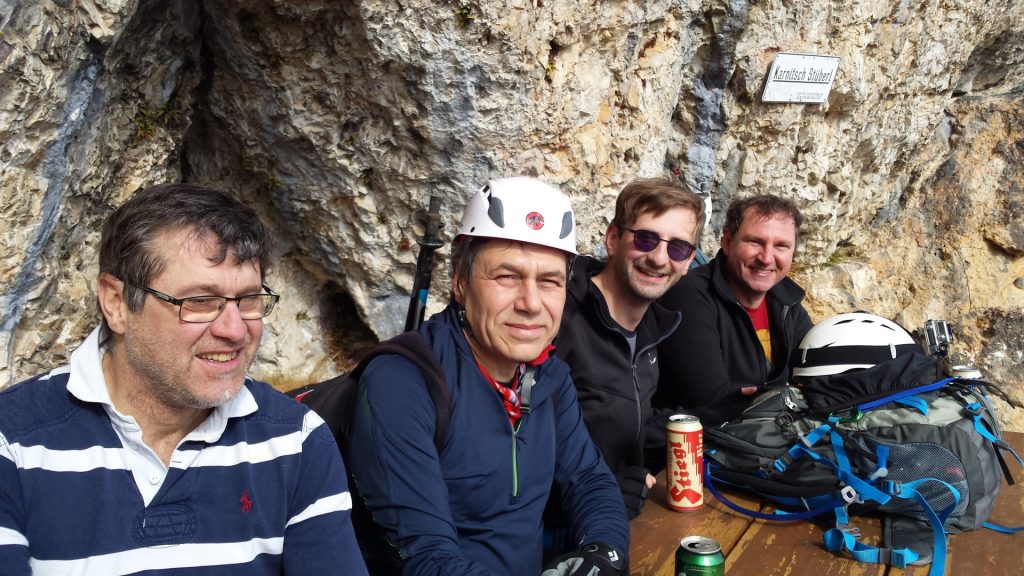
(510, 394)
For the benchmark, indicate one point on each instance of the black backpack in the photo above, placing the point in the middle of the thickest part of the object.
(334, 400)
(927, 455)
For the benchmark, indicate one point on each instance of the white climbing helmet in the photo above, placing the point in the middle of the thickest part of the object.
(851, 341)
(522, 209)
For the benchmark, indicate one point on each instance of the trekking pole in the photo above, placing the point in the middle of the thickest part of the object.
(424, 266)
(700, 259)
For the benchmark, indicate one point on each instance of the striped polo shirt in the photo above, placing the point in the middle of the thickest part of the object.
(258, 488)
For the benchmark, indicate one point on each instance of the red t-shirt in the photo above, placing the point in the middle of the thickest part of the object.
(759, 316)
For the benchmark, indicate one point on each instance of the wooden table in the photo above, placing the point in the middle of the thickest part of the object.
(762, 548)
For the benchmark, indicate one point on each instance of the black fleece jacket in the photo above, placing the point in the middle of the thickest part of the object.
(614, 390)
(715, 351)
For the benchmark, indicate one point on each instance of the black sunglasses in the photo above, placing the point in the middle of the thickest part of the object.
(645, 241)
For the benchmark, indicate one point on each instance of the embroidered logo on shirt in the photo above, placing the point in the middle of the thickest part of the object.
(246, 502)
(164, 525)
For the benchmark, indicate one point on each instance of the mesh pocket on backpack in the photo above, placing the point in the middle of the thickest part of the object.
(914, 461)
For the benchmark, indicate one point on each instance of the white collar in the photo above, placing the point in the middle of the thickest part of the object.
(86, 382)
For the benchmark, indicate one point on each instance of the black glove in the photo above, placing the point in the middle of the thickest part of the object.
(633, 483)
(590, 560)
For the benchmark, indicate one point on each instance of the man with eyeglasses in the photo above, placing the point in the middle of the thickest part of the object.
(612, 324)
(153, 451)
(742, 315)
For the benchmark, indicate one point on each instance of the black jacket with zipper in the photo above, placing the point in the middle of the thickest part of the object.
(715, 351)
(615, 391)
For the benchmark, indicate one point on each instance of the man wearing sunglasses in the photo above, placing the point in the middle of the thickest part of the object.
(153, 451)
(612, 325)
(742, 315)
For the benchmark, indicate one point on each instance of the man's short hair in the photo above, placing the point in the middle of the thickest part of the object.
(127, 249)
(656, 196)
(762, 206)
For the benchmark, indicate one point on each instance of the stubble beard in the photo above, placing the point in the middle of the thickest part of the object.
(629, 272)
(169, 384)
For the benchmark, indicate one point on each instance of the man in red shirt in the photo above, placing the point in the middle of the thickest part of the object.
(742, 315)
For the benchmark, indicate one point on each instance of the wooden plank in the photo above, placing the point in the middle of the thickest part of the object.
(796, 549)
(656, 532)
(984, 552)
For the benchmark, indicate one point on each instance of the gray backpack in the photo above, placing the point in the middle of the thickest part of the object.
(925, 454)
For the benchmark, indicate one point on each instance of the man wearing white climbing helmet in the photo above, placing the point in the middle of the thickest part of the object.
(512, 228)
(516, 429)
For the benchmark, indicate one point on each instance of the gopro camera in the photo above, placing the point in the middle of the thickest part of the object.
(937, 336)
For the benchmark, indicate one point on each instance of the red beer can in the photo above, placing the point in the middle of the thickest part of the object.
(685, 464)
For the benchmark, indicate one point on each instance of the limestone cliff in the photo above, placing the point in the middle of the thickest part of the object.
(338, 120)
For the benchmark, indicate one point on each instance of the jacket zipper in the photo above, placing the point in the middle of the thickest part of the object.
(515, 458)
(636, 381)
(785, 331)
(636, 394)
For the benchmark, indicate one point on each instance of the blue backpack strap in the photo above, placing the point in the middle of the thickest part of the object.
(804, 442)
(916, 403)
(904, 393)
(861, 488)
(842, 538)
(980, 428)
(882, 457)
(976, 410)
(1003, 529)
(837, 540)
(710, 481)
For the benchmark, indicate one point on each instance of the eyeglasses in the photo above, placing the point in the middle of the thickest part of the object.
(645, 241)
(201, 309)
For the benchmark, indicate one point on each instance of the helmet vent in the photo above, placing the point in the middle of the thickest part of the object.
(566, 225)
(495, 211)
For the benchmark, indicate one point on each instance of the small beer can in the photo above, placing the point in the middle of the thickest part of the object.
(699, 556)
(685, 463)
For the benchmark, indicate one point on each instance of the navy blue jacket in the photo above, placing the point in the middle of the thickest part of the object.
(476, 508)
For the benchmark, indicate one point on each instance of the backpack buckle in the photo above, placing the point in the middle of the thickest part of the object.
(850, 495)
(851, 415)
(848, 529)
(892, 488)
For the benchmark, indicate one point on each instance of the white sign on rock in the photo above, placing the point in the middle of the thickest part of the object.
(800, 78)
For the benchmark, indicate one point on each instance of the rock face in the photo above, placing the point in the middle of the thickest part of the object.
(338, 121)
